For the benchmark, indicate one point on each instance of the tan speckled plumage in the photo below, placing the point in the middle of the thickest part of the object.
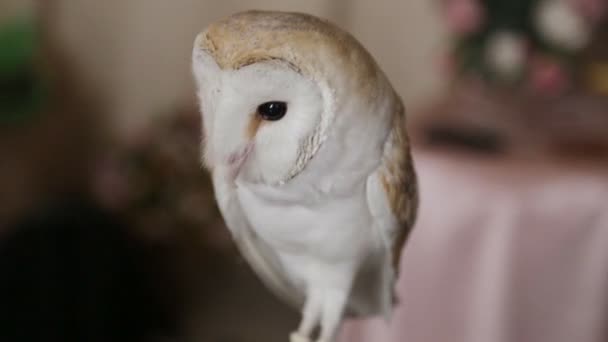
(399, 180)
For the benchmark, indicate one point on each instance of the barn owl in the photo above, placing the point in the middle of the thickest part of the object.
(306, 143)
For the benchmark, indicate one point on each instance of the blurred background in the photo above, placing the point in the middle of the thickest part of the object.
(108, 226)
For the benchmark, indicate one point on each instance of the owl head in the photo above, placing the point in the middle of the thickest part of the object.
(275, 87)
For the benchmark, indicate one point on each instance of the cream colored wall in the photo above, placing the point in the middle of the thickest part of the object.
(406, 37)
(137, 52)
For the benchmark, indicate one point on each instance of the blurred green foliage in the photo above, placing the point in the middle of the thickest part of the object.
(23, 88)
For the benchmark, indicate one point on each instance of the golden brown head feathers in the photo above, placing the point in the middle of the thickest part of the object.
(309, 45)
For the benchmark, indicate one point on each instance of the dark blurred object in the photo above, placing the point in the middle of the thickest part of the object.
(155, 182)
(480, 140)
(155, 179)
(70, 272)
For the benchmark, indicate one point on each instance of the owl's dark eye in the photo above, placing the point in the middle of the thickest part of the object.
(272, 111)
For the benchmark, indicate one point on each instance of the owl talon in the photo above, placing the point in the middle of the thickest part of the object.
(296, 337)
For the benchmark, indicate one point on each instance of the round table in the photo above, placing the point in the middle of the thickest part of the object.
(503, 251)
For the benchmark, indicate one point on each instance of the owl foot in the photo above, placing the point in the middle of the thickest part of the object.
(296, 337)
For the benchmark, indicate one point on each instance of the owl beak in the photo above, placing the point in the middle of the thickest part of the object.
(236, 159)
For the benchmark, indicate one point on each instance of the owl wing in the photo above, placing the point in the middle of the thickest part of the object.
(392, 196)
(262, 259)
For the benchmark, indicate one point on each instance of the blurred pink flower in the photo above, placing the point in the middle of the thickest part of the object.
(592, 9)
(548, 77)
(464, 16)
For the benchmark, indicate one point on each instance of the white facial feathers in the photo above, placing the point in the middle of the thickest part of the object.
(254, 57)
(229, 103)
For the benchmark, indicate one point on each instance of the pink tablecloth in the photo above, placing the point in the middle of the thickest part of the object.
(503, 251)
